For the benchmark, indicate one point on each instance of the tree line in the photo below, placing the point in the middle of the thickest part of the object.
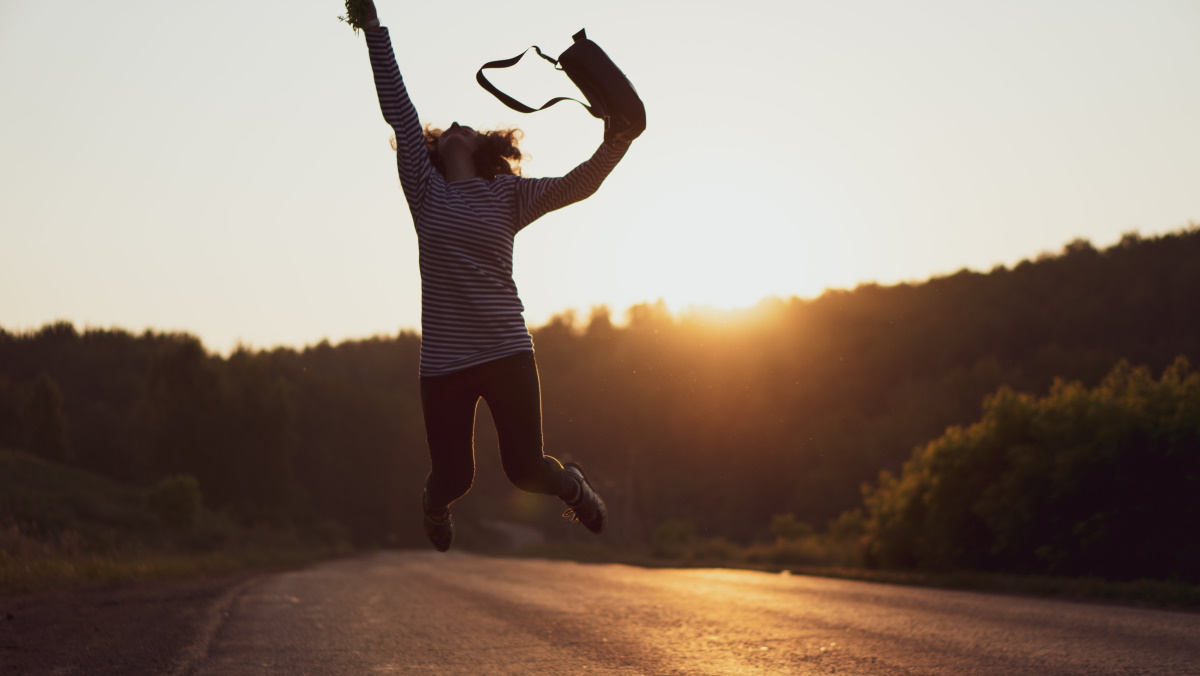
(722, 419)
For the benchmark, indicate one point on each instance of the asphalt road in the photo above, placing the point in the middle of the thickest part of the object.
(446, 614)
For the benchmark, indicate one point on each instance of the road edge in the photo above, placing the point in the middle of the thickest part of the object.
(193, 655)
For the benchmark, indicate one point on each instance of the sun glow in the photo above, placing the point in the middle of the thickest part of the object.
(725, 251)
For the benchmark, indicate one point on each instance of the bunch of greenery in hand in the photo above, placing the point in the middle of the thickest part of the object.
(360, 14)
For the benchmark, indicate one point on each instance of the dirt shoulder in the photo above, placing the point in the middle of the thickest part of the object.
(151, 627)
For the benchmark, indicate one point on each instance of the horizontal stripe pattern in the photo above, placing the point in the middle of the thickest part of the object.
(471, 312)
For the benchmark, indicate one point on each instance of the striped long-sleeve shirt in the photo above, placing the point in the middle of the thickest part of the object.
(470, 310)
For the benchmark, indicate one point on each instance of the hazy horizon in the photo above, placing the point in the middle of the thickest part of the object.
(618, 315)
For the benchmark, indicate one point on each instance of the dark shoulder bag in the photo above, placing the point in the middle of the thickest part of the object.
(610, 94)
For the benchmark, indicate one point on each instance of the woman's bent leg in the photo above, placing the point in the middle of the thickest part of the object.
(514, 396)
(448, 404)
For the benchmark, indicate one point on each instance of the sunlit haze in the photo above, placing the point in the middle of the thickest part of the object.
(222, 168)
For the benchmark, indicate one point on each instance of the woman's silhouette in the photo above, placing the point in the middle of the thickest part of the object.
(468, 201)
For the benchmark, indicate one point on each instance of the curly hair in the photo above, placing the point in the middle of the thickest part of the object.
(497, 155)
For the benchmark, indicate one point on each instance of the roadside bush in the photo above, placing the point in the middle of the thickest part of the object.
(786, 527)
(806, 552)
(1082, 481)
(330, 533)
(718, 551)
(673, 539)
(176, 500)
(213, 531)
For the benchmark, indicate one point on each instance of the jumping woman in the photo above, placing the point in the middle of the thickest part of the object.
(468, 201)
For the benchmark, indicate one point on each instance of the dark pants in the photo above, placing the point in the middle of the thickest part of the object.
(514, 395)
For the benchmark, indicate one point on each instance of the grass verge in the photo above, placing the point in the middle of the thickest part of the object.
(60, 525)
(30, 573)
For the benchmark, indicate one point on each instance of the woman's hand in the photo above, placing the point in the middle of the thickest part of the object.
(361, 14)
(627, 135)
(620, 131)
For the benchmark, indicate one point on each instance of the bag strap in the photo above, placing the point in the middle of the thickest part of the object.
(510, 101)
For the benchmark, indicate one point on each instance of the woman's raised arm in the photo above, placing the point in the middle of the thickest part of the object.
(412, 159)
(539, 196)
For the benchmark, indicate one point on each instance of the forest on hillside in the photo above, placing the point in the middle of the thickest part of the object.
(719, 419)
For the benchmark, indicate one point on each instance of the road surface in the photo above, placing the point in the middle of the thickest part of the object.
(449, 614)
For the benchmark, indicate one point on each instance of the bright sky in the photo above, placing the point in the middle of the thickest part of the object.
(222, 167)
